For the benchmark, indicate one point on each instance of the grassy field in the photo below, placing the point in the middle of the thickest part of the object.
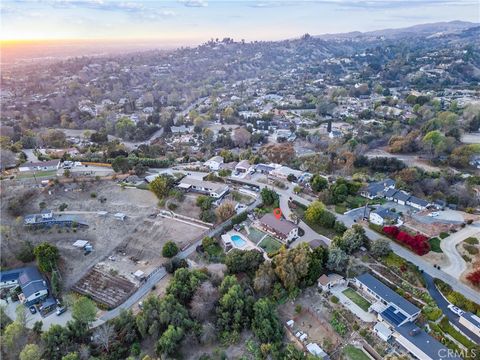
(38, 174)
(357, 298)
(269, 244)
(435, 245)
(353, 353)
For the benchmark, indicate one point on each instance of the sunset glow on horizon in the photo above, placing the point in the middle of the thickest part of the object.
(194, 21)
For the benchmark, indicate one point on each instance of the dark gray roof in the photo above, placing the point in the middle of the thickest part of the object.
(375, 188)
(264, 168)
(281, 226)
(31, 281)
(390, 192)
(416, 200)
(386, 213)
(387, 294)
(9, 275)
(429, 345)
(400, 195)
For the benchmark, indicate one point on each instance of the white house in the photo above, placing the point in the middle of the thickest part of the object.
(243, 166)
(214, 163)
(215, 190)
(283, 171)
(417, 203)
(382, 216)
(382, 331)
(326, 282)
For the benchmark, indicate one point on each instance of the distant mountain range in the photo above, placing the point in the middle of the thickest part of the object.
(423, 30)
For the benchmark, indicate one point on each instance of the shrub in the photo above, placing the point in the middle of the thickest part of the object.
(62, 207)
(474, 277)
(170, 249)
(334, 299)
(26, 254)
(472, 240)
(172, 206)
(239, 218)
(443, 235)
(471, 249)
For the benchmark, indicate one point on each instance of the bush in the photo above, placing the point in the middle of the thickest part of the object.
(443, 235)
(432, 313)
(26, 254)
(170, 249)
(62, 207)
(471, 249)
(417, 243)
(334, 299)
(471, 240)
(172, 206)
(239, 218)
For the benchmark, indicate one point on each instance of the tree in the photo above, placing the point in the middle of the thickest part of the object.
(55, 342)
(264, 278)
(104, 335)
(241, 137)
(121, 164)
(380, 248)
(352, 239)
(31, 352)
(291, 266)
(84, 310)
(233, 309)
(269, 197)
(474, 277)
(170, 249)
(265, 323)
(169, 340)
(161, 185)
(47, 256)
(318, 183)
(317, 263)
(314, 211)
(13, 338)
(71, 356)
(238, 261)
(434, 140)
(337, 260)
(203, 301)
(226, 210)
(184, 284)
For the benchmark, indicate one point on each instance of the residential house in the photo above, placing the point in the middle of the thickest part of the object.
(215, 190)
(214, 163)
(284, 171)
(264, 168)
(382, 216)
(326, 282)
(281, 229)
(317, 351)
(33, 285)
(378, 189)
(243, 166)
(471, 322)
(401, 197)
(48, 219)
(417, 203)
(397, 318)
(40, 166)
(389, 194)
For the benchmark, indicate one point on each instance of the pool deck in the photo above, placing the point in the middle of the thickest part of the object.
(249, 245)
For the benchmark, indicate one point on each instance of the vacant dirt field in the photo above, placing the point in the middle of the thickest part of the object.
(313, 319)
(136, 243)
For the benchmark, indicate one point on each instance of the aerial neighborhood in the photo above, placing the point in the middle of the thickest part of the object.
(310, 198)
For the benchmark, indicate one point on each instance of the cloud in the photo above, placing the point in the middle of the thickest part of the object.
(392, 4)
(194, 3)
(271, 4)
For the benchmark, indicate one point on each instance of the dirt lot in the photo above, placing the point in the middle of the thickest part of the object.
(313, 319)
(136, 243)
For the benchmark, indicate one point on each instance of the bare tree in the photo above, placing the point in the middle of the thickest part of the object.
(203, 301)
(103, 336)
(241, 137)
(208, 333)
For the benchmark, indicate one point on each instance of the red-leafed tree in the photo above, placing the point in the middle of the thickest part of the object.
(390, 231)
(474, 277)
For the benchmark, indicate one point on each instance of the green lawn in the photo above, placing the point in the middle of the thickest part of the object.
(435, 245)
(38, 174)
(353, 353)
(357, 298)
(269, 244)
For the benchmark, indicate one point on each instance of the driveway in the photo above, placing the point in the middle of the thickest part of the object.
(350, 305)
(442, 303)
(449, 247)
(49, 320)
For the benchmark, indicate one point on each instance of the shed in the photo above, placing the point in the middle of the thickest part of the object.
(139, 274)
(120, 216)
(80, 243)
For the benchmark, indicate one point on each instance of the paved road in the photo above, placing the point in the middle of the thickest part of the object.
(443, 305)
(457, 264)
(422, 264)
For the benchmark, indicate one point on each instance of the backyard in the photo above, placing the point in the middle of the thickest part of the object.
(354, 353)
(357, 298)
(269, 244)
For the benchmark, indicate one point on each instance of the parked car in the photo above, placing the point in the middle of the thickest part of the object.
(456, 310)
(32, 309)
(61, 310)
(434, 214)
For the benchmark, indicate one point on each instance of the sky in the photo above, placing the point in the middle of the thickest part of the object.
(194, 21)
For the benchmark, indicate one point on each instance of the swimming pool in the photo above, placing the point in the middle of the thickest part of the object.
(238, 241)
